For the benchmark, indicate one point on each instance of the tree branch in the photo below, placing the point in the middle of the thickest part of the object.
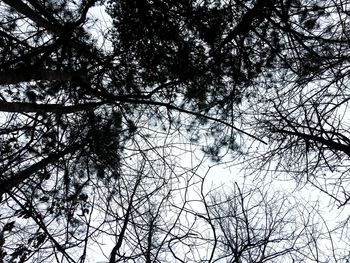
(197, 114)
(250, 19)
(54, 108)
(8, 182)
(126, 222)
(330, 143)
(22, 8)
(14, 76)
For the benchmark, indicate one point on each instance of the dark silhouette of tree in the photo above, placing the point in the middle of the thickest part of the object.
(303, 115)
(95, 118)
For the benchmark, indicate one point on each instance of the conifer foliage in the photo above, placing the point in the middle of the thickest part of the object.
(101, 101)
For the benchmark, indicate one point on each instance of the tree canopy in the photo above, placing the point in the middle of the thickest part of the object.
(112, 110)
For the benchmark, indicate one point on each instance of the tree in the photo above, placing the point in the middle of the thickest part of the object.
(94, 116)
(305, 115)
